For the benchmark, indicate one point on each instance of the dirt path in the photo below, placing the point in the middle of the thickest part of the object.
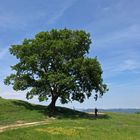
(99, 113)
(21, 125)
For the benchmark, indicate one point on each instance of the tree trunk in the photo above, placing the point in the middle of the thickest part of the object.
(51, 106)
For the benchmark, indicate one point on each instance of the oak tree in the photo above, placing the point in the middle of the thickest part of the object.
(54, 64)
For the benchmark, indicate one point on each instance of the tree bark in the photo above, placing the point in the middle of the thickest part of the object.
(51, 106)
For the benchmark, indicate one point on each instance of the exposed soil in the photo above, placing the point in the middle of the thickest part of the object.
(21, 124)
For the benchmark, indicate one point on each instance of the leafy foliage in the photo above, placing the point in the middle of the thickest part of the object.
(54, 64)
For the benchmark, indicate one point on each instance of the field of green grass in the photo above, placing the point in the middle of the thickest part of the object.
(68, 125)
(12, 111)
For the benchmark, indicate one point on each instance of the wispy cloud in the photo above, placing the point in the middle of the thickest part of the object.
(127, 34)
(11, 21)
(122, 67)
(9, 93)
(3, 52)
(129, 65)
(116, 22)
(126, 65)
(59, 13)
(15, 20)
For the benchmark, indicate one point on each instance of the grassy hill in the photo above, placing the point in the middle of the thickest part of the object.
(68, 125)
(15, 110)
(12, 111)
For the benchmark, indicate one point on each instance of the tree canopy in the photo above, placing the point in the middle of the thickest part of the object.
(54, 64)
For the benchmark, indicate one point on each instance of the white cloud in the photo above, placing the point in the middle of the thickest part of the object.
(9, 93)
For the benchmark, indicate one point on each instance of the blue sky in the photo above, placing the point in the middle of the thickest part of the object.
(114, 26)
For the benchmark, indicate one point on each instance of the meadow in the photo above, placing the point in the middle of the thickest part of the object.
(67, 124)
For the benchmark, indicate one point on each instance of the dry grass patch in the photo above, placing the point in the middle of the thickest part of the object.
(61, 130)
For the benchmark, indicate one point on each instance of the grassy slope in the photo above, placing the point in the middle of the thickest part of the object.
(70, 125)
(15, 110)
(12, 111)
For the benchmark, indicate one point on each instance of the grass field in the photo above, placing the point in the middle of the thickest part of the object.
(69, 125)
(15, 110)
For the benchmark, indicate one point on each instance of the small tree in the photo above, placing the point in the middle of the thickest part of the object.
(54, 64)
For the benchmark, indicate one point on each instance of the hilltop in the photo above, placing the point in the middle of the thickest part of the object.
(115, 110)
(68, 124)
(12, 111)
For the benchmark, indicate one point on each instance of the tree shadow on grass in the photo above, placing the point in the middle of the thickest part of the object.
(66, 113)
(28, 106)
(60, 112)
